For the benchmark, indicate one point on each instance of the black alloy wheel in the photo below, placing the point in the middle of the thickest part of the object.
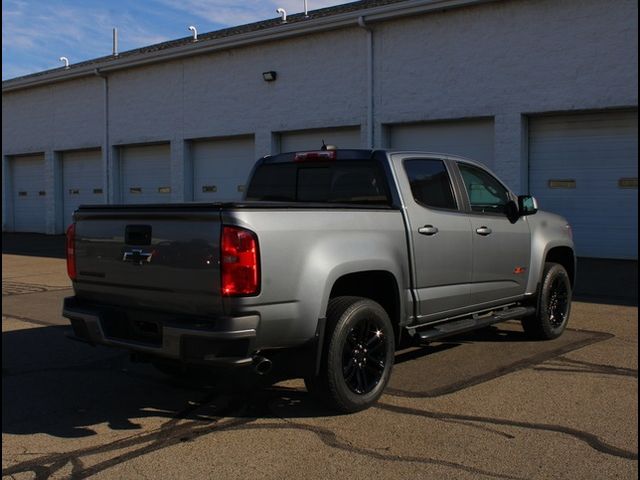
(357, 356)
(364, 356)
(558, 301)
(553, 304)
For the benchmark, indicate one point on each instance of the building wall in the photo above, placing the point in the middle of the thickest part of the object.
(223, 94)
(507, 59)
(62, 116)
(49, 119)
(503, 60)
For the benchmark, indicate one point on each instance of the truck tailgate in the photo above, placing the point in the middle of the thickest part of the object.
(163, 257)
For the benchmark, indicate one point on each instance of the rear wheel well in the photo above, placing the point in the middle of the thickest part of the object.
(563, 256)
(377, 285)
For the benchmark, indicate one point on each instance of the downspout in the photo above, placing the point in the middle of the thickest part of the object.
(370, 103)
(107, 148)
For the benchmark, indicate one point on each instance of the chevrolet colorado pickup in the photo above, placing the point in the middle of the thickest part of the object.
(336, 254)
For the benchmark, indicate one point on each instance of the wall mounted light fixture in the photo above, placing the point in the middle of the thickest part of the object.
(269, 76)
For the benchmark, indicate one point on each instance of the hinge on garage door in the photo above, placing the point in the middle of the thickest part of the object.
(570, 183)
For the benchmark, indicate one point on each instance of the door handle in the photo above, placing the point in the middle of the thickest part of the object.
(484, 231)
(428, 230)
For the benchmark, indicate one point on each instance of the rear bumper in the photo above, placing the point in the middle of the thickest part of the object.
(224, 341)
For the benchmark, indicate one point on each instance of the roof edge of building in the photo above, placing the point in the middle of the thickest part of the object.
(135, 58)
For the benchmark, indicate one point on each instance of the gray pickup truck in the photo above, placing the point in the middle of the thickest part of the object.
(335, 255)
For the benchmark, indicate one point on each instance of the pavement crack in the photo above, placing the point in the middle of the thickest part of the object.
(169, 433)
(77, 467)
(332, 440)
(565, 364)
(479, 427)
(586, 437)
(529, 362)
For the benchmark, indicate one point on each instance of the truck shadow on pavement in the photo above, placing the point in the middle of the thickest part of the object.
(63, 388)
(122, 410)
(33, 244)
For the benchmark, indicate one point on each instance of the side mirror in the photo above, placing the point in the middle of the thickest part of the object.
(527, 205)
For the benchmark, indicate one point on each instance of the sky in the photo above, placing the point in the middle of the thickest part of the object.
(36, 33)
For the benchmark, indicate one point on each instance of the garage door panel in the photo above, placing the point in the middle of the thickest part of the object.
(595, 150)
(220, 166)
(28, 194)
(82, 181)
(343, 137)
(226, 189)
(146, 174)
(473, 138)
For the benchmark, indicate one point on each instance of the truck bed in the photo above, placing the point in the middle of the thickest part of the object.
(176, 270)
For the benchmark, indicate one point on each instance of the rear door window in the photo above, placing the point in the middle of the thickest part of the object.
(430, 183)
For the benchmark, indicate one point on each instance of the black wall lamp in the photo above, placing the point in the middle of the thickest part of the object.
(269, 76)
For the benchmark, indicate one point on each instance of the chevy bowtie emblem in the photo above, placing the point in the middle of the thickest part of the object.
(136, 256)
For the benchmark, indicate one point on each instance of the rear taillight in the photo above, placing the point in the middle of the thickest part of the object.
(239, 262)
(71, 251)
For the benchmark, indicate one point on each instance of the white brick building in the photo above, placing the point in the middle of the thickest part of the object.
(543, 91)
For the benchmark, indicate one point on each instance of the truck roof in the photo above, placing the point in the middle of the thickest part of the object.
(352, 154)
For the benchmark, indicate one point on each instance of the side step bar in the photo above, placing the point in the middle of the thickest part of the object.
(442, 330)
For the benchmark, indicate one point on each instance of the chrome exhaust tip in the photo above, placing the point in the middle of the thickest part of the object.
(261, 365)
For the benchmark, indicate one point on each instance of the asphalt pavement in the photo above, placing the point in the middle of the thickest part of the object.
(488, 404)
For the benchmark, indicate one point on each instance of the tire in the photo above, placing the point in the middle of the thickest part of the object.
(357, 356)
(553, 305)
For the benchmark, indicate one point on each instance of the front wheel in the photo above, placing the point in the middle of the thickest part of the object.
(553, 305)
(358, 355)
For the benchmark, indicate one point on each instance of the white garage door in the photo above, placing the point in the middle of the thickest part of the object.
(295, 141)
(585, 167)
(29, 195)
(145, 174)
(221, 168)
(82, 181)
(469, 138)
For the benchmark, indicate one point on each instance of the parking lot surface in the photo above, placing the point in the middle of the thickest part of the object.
(489, 404)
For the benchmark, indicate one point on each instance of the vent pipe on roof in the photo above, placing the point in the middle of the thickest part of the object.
(306, 9)
(283, 14)
(66, 61)
(195, 33)
(115, 42)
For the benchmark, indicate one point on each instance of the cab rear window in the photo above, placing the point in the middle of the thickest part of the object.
(359, 182)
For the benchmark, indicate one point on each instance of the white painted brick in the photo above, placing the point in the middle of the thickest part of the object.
(178, 154)
(502, 59)
(50, 188)
(508, 149)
